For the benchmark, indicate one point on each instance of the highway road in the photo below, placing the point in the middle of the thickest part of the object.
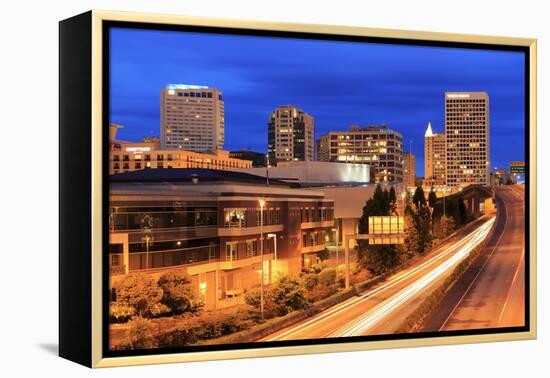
(383, 308)
(492, 295)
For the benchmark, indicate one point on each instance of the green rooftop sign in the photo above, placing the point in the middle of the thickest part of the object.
(517, 167)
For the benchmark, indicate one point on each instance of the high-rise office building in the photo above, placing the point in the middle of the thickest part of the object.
(191, 118)
(409, 170)
(435, 153)
(290, 135)
(467, 131)
(322, 148)
(378, 146)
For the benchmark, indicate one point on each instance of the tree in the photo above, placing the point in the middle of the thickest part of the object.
(178, 292)
(140, 291)
(418, 198)
(392, 202)
(463, 211)
(323, 255)
(432, 198)
(444, 226)
(376, 258)
(423, 228)
(411, 233)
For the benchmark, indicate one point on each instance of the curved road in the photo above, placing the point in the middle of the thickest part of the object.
(494, 295)
(383, 308)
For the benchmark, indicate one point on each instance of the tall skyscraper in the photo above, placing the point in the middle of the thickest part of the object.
(435, 153)
(409, 170)
(290, 135)
(322, 148)
(378, 146)
(191, 118)
(467, 130)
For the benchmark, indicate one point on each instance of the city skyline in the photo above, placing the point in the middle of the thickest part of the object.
(339, 83)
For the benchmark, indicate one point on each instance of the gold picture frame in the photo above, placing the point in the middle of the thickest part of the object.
(87, 272)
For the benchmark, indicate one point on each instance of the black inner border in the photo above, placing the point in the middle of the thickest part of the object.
(107, 25)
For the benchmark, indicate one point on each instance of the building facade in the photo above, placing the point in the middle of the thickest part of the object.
(409, 170)
(129, 156)
(322, 148)
(315, 172)
(209, 223)
(191, 118)
(378, 146)
(290, 135)
(435, 155)
(467, 131)
(257, 158)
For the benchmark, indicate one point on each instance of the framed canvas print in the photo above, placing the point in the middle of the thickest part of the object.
(237, 189)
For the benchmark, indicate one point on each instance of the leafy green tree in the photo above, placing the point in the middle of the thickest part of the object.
(140, 291)
(178, 292)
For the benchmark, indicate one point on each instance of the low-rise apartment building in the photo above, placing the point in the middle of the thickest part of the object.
(209, 223)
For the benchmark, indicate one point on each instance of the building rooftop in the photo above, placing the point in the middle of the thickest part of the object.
(182, 175)
(186, 86)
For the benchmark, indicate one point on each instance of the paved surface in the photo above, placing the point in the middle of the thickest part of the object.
(383, 308)
(493, 294)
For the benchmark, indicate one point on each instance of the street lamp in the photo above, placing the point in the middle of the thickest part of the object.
(274, 236)
(262, 205)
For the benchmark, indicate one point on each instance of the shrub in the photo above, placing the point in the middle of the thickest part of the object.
(140, 291)
(252, 298)
(139, 334)
(310, 280)
(320, 292)
(158, 309)
(327, 277)
(318, 267)
(120, 312)
(208, 325)
(178, 294)
(289, 294)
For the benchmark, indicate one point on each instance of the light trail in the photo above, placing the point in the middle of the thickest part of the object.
(360, 325)
(338, 309)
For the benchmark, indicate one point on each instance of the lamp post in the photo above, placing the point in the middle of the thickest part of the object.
(262, 204)
(274, 236)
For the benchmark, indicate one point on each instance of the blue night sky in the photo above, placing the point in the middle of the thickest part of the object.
(339, 83)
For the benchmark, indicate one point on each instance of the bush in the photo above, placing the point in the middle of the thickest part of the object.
(120, 312)
(320, 292)
(208, 325)
(178, 294)
(327, 277)
(252, 298)
(139, 291)
(289, 294)
(310, 280)
(139, 334)
(318, 267)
